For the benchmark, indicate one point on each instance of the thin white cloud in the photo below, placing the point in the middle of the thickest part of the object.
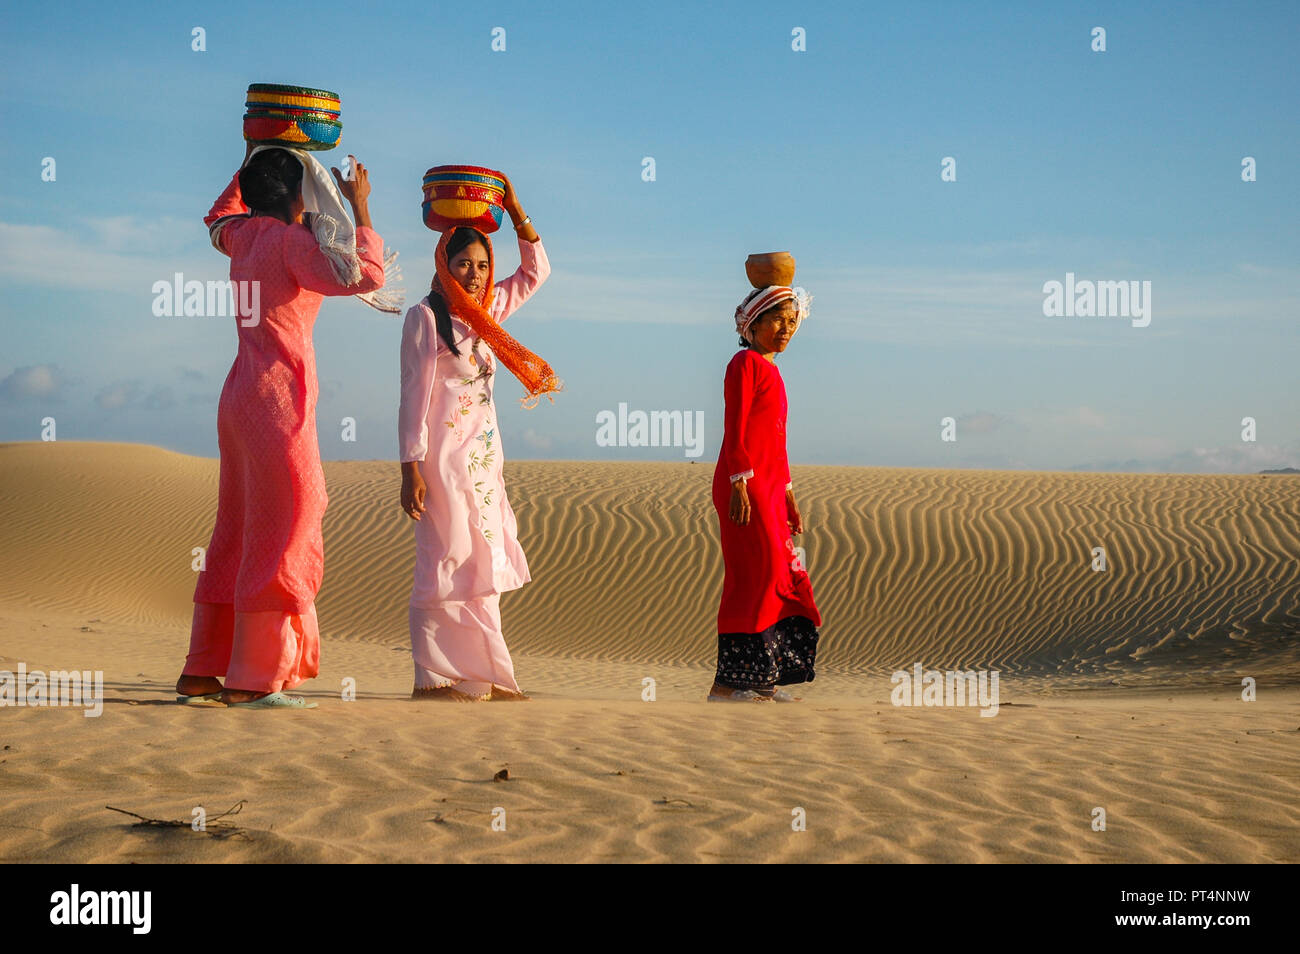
(109, 255)
(45, 382)
(118, 395)
(121, 395)
(1068, 420)
(535, 441)
(1242, 458)
(981, 422)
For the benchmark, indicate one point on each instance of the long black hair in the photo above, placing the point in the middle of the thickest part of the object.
(270, 182)
(461, 239)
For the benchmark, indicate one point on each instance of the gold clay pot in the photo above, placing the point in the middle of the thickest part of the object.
(770, 268)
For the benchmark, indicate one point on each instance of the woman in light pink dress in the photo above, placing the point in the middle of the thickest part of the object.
(254, 604)
(466, 538)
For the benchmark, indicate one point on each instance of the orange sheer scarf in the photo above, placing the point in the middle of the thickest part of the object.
(533, 373)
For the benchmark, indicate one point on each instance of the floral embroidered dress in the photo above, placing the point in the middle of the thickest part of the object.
(254, 602)
(467, 546)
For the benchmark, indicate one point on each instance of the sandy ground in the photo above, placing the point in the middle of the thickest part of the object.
(1119, 690)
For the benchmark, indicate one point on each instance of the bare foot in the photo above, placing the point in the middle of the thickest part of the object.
(197, 685)
(441, 694)
(506, 695)
(727, 692)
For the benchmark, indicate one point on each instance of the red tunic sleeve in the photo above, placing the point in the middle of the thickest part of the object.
(230, 202)
(738, 394)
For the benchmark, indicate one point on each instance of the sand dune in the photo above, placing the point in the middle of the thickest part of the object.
(1182, 778)
(1120, 690)
(951, 568)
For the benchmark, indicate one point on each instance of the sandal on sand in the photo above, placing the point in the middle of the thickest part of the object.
(206, 699)
(276, 700)
(780, 695)
(740, 695)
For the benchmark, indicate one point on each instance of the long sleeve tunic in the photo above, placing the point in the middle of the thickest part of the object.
(764, 581)
(266, 551)
(467, 543)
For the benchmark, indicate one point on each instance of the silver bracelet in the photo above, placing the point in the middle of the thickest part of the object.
(527, 219)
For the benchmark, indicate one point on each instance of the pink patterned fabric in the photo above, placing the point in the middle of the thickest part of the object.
(255, 619)
(460, 644)
(466, 542)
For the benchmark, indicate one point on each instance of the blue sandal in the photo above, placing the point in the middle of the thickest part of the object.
(276, 700)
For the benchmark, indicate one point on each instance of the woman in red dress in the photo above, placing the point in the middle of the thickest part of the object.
(767, 623)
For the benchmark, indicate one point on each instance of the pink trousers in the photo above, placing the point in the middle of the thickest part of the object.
(461, 645)
(264, 651)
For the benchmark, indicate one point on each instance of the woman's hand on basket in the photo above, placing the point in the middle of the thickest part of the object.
(357, 189)
(510, 202)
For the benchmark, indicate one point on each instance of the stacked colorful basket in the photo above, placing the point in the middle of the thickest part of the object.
(463, 195)
(292, 116)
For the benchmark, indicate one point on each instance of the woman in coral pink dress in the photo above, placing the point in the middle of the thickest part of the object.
(767, 620)
(467, 550)
(254, 604)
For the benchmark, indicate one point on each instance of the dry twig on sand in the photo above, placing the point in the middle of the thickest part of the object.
(214, 827)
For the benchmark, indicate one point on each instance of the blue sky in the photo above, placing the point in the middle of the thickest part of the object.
(1122, 165)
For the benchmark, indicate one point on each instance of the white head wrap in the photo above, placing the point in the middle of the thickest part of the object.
(334, 232)
(761, 299)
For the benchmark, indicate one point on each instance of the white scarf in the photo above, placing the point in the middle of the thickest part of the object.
(335, 233)
(761, 299)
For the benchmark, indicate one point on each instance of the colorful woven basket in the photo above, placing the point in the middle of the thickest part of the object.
(295, 116)
(463, 195)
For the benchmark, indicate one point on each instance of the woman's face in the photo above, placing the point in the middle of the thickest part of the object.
(469, 266)
(772, 329)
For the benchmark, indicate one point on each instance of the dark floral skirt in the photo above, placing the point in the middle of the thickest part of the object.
(780, 655)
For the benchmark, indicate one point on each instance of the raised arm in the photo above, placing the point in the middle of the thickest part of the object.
(312, 269)
(419, 365)
(533, 266)
(512, 292)
(229, 203)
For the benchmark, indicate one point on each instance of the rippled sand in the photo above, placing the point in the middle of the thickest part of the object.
(1120, 690)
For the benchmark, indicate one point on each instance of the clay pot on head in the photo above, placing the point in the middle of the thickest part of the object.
(770, 268)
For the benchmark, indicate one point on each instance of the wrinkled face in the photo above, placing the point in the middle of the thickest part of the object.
(772, 329)
(469, 266)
